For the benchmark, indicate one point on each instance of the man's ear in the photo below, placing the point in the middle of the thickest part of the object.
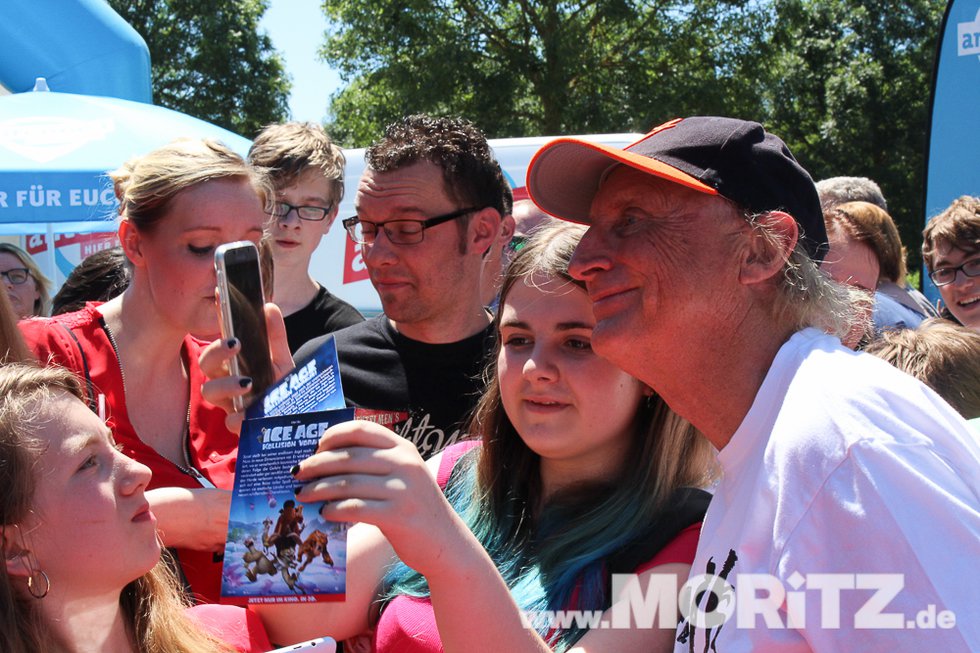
(131, 242)
(15, 553)
(507, 228)
(768, 246)
(484, 229)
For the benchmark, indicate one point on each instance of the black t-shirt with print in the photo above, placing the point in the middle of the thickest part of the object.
(423, 392)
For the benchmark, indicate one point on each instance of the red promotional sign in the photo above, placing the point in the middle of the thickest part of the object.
(87, 243)
(354, 268)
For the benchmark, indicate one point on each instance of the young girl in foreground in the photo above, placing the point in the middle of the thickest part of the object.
(82, 568)
(581, 472)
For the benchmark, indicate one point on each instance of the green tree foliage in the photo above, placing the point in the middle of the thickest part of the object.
(210, 60)
(844, 82)
(849, 85)
(521, 67)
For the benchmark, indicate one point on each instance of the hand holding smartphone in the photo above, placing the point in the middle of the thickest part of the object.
(242, 301)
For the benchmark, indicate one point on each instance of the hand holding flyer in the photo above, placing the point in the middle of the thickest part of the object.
(274, 553)
(313, 385)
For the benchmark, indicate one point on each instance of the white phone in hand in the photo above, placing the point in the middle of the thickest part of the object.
(320, 645)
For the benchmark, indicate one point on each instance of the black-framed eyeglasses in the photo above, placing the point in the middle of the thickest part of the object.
(311, 213)
(16, 276)
(399, 232)
(945, 276)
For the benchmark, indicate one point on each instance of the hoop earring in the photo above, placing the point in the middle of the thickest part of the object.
(32, 585)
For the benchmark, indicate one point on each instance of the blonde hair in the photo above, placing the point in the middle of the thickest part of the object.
(145, 186)
(152, 604)
(42, 305)
(12, 346)
(290, 149)
(943, 355)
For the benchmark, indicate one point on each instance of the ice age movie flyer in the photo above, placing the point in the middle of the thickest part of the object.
(313, 385)
(276, 552)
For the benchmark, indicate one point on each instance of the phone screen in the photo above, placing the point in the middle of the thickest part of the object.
(242, 314)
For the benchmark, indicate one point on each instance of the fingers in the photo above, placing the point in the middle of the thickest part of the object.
(221, 389)
(359, 433)
(215, 357)
(386, 502)
(355, 510)
(233, 422)
(221, 392)
(361, 465)
(282, 358)
(349, 460)
(351, 486)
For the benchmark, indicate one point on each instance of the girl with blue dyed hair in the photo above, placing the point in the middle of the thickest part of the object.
(578, 472)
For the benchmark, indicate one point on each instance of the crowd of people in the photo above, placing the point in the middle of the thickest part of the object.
(659, 363)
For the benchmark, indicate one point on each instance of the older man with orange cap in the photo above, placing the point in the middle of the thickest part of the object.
(848, 510)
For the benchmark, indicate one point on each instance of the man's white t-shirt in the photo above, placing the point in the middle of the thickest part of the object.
(843, 468)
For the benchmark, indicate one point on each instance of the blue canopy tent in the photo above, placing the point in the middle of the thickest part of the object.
(55, 150)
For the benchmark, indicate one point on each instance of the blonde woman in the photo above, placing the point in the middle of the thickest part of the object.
(177, 204)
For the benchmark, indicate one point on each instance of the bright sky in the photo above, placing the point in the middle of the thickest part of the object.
(296, 28)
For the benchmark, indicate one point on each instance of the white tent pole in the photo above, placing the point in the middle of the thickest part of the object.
(52, 263)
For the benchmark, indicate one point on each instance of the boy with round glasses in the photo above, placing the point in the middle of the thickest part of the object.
(307, 170)
(951, 252)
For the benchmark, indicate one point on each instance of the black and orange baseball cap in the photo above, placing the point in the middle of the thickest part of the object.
(736, 159)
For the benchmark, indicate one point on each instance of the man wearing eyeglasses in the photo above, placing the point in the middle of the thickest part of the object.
(429, 206)
(951, 252)
(307, 170)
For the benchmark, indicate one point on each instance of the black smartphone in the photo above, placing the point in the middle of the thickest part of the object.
(241, 301)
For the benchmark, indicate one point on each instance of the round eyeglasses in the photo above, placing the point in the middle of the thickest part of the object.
(16, 276)
(312, 213)
(399, 232)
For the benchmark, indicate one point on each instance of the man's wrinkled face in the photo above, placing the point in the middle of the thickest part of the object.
(659, 261)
